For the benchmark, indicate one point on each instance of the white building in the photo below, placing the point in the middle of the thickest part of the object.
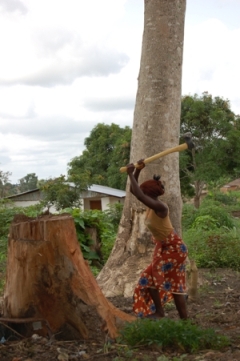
(96, 197)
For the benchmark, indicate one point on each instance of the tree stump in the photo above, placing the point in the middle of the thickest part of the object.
(47, 277)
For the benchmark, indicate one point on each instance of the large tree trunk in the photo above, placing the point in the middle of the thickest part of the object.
(48, 279)
(155, 128)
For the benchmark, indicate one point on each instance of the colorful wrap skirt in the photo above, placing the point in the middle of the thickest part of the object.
(166, 273)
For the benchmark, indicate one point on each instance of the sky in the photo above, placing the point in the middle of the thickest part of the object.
(67, 65)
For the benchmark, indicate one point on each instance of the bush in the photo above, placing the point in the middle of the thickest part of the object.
(214, 248)
(210, 215)
(106, 225)
(189, 214)
(211, 233)
(217, 211)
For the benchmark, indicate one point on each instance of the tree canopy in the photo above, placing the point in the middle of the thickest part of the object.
(59, 193)
(28, 183)
(107, 149)
(216, 131)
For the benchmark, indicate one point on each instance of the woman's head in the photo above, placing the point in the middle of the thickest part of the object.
(153, 187)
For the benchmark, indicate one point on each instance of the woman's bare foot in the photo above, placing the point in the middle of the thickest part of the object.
(154, 316)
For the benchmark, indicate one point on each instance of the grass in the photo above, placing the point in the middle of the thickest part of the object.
(166, 333)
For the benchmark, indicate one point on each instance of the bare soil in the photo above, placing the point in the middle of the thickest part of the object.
(217, 307)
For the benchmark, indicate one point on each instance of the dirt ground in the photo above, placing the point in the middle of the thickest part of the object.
(217, 307)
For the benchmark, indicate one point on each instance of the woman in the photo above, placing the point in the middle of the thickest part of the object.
(164, 279)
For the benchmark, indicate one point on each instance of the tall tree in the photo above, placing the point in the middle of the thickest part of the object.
(107, 147)
(28, 183)
(155, 128)
(215, 129)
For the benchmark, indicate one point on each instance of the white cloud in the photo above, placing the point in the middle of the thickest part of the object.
(11, 6)
(67, 65)
(211, 60)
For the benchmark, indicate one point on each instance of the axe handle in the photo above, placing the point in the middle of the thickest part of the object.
(178, 148)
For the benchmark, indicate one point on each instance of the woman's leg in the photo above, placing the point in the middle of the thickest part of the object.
(157, 302)
(181, 305)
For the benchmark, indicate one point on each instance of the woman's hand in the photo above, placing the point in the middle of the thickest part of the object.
(141, 164)
(130, 168)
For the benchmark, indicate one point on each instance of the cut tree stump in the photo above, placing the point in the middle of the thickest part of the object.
(47, 278)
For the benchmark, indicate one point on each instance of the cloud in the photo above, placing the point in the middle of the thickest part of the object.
(109, 104)
(62, 71)
(48, 49)
(45, 129)
(11, 6)
(68, 65)
(211, 60)
(45, 157)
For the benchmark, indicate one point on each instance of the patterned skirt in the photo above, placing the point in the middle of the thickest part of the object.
(166, 273)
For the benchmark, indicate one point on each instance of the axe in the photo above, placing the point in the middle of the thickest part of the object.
(187, 145)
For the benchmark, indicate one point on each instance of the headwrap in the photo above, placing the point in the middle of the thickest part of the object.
(153, 187)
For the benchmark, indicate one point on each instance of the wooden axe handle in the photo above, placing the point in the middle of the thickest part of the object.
(178, 148)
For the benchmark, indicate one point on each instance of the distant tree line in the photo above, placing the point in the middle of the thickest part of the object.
(215, 158)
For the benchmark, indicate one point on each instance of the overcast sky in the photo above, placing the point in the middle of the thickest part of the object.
(66, 65)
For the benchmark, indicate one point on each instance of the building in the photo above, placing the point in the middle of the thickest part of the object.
(231, 186)
(95, 197)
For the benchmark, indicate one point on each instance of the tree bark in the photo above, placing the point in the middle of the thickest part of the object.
(155, 128)
(47, 277)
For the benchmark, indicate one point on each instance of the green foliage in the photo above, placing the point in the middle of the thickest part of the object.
(60, 194)
(113, 214)
(182, 335)
(210, 215)
(189, 214)
(7, 213)
(84, 220)
(111, 219)
(218, 215)
(5, 186)
(107, 149)
(230, 201)
(28, 182)
(219, 248)
(212, 235)
(216, 131)
(105, 223)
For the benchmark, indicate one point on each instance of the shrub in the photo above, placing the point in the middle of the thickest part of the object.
(220, 215)
(217, 247)
(106, 231)
(189, 214)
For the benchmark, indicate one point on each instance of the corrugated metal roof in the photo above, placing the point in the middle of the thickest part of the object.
(94, 188)
(107, 190)
(27, 192)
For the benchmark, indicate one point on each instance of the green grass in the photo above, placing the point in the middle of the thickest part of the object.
(166, 333)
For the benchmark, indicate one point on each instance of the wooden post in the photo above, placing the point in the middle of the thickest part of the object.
(193, 281)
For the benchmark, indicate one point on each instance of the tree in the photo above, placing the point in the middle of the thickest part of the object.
(107, 148)
(156, 127)
(216, 130)
(59, 193)
(5, 186)
(28, 183)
